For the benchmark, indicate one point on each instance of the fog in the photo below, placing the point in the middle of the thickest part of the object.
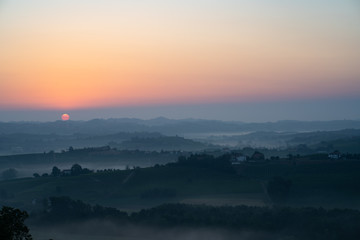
(106, 230)
(30, 169)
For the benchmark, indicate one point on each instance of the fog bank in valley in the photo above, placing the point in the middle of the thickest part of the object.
(106, 230)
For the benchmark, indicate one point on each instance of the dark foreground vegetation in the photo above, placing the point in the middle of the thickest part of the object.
(293, 223)
(12, 225)
(299, 223)
(300, 196)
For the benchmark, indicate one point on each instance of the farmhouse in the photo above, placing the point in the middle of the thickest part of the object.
(238, 159)
(334, 155)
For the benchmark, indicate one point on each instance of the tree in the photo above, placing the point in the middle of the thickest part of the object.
(258, 156)
(9, 174)
(36, 175)
(65, 209)
(12, 225)
(55, 171)
(76, 169)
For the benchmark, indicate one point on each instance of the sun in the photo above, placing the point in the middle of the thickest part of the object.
(65, 117)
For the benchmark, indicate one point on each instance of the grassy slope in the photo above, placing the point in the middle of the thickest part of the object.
(124, 189)
(315, 183)
(319, 183)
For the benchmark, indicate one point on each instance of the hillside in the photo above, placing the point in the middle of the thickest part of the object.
(139, 187)
(198, 179)
(21, 143)
(168, 126)
(163, 143)
(93, 158)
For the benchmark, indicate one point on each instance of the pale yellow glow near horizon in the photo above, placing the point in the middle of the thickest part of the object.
(74, 55)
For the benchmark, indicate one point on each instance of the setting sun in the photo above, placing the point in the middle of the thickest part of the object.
(65, 117)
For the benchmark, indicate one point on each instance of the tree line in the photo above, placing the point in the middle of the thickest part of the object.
(305, 223)
(294, 223)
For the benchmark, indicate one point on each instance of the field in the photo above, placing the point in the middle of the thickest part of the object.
(322, 183)
(134, 189)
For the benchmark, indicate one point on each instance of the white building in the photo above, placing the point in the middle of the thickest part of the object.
(238, 159)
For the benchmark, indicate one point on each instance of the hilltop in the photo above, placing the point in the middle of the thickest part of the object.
(169, 126)
(199, 179)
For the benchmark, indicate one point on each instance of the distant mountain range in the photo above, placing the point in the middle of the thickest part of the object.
(169, 126)
(19, 143)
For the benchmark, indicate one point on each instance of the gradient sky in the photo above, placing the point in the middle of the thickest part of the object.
(77, 55)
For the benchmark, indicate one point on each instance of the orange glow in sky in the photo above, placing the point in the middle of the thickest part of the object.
(71, 55)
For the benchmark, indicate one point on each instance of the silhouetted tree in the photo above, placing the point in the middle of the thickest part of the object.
(66, 209)
(55, 171)
(76, 169)
(12, 225)
(258, 156)
(36, 175)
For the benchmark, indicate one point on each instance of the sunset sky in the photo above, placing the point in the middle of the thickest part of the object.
(180, 59)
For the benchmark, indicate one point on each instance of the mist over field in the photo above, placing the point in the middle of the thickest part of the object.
(98, 230)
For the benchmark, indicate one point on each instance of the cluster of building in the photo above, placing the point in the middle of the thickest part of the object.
(239, 158)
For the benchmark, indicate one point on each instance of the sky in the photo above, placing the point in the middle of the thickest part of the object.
(255, 60)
